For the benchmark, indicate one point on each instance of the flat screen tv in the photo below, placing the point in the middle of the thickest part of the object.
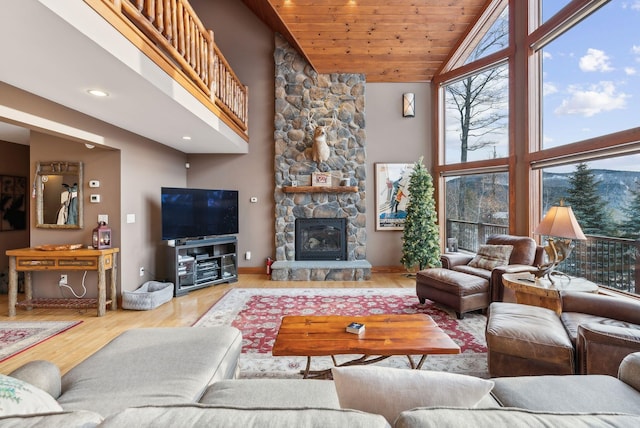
(198, 213)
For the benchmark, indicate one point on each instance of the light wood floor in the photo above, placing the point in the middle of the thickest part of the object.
(71, 347)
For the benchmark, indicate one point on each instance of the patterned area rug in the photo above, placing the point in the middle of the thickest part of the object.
(18, 336)
(258, 313)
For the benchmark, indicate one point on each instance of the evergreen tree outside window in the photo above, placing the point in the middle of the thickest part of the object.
(630, 228)
(585, 201)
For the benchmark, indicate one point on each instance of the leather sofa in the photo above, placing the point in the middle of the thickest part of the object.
(591, 336)
(464, 287)
(603, 330)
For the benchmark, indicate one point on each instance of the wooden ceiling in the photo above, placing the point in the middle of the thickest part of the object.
(387, 40)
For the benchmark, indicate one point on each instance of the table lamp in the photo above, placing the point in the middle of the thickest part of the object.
(559, 222)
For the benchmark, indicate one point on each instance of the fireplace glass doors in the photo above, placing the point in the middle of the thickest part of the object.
(321, 239)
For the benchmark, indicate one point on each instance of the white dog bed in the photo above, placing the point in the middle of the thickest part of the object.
(150, 295)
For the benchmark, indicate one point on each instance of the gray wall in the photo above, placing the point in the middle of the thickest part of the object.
(131, 170)
(138, 167)
(248, 46)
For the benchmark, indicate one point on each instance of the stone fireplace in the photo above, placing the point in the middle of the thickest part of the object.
(304, 101)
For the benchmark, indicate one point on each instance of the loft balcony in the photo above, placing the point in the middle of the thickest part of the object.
(165, 76)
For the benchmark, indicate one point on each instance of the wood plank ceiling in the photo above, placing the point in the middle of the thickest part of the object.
(387, 40)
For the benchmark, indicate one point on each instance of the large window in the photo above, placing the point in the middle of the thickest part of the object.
(551, 118)
(604, 194)
(477, 116)
(477, 206)
(591, 76)
(605, 198)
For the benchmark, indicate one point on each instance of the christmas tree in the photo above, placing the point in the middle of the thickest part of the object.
(421, 236)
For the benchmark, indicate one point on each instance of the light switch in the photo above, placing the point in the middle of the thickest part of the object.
(94, 183)
(131, 218)
(95, 199)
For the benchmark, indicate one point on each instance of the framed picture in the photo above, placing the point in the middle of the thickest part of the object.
(392, 194)
(13, 210)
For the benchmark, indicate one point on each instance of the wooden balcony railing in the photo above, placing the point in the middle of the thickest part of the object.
(175, 30)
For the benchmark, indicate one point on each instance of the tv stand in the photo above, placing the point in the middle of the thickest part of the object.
(199, 263)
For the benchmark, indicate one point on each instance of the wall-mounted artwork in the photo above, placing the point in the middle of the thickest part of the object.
(13, 195)
(392, 194)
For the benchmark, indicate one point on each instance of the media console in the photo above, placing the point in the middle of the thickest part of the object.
(201, 263)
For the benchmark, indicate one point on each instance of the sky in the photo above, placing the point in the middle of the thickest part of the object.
(591, 79)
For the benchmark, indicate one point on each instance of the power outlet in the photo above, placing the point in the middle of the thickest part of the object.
(63, 279)
(141, 271)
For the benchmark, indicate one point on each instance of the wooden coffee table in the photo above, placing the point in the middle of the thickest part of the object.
(383, 337)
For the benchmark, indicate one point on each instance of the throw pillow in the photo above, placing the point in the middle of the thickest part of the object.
(389, 391)
(41, 374)
(490, 256)
(20, 398)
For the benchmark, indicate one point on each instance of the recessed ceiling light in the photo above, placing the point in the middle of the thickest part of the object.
(186, 137)
(98, 93)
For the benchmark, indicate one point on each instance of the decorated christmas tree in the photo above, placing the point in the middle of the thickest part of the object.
(421, 236)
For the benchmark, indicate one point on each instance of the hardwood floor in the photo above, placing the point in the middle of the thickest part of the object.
(71, 347)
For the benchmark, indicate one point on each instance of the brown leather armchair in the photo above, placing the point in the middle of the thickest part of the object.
(466, 288)
(526, 255)
(603, 329)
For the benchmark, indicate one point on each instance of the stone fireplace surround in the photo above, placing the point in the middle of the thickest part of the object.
(335, 101)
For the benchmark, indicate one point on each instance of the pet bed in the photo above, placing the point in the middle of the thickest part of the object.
(150, 295)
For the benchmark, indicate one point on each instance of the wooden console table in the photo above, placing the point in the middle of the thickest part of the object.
(28, 260)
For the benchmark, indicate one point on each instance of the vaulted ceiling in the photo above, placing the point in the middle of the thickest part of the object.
(388, 40)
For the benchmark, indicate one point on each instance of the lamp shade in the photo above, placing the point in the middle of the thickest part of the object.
(560, 221)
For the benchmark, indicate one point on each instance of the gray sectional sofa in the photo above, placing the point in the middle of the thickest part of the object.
(175, 377)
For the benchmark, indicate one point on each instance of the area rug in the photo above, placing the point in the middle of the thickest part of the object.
(18, 336)
(257, 313)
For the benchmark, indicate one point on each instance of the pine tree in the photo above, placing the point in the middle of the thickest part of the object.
(421, 236)
(586, 203)
(630, 228)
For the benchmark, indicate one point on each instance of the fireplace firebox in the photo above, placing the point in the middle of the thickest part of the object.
(321, 239)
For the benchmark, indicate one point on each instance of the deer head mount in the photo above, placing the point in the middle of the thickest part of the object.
(320, 149)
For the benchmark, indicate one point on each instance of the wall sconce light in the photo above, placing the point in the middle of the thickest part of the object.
(408, 104)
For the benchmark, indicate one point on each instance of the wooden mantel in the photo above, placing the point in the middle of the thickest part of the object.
(320, 189)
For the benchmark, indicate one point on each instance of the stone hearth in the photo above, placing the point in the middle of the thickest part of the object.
(304, 100)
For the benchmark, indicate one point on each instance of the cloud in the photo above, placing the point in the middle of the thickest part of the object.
(635, 5)
(596, 99)
(549, 88)
(595, 60)
(630, 71)
(547, 55)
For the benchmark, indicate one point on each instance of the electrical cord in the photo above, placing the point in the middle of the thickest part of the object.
(77, 296)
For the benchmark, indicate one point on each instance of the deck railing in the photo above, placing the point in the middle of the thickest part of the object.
(612, 262)
(175, 29)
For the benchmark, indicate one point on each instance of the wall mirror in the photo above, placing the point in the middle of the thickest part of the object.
(58, 186)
